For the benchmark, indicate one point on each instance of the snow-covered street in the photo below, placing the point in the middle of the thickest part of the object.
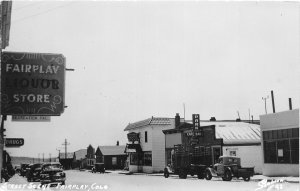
(85, 180)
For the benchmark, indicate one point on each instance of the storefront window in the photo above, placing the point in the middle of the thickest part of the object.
(148, 158)
(133, 159)
(295, 151)
(270, 152)
(114, 160)
(283, 152)
(281, 146)
(232, 153)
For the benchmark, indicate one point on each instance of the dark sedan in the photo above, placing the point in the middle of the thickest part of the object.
(52, 173)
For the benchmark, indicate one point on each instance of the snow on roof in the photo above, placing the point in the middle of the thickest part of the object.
(236, 132)
(113, 150)
(149, 121)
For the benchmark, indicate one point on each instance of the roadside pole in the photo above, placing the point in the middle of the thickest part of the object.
(1, 137)
(5, 19)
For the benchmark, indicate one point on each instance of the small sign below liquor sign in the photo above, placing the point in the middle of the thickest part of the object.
(30, 118)
(14, 142)
(32, 84)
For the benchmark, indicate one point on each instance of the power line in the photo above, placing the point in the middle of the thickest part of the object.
(41, 13)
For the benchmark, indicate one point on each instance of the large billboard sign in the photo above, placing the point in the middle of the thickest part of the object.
(32, 83)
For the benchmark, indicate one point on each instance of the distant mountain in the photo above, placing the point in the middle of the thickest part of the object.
(22, 160)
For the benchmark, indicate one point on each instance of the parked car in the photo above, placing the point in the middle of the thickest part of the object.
(33, 173)
(52, 173)
(98, 167)
(18, 169)
(24, 168)
(228, 167)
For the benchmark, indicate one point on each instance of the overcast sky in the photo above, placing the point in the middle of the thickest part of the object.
(134, 60)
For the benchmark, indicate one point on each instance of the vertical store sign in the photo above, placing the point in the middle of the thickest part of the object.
(32, 83)
(196, 125)
(196, 122)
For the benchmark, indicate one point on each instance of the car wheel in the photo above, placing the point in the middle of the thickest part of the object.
(246, 178)
(208, 175)
(227, 176)
(166, 173)
(200, 176)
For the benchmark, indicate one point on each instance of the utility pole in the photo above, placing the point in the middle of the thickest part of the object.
(2, 143)
(43, 157)
(58, 153)
(183, 112)
(39, 157)
(5, 19)
(50, 157)
(265, 100)
(65, 144)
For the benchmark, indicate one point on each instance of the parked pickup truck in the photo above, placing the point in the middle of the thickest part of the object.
(228, 167)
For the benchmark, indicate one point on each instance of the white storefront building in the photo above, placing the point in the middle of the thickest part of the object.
(280, 143)
(146, 146)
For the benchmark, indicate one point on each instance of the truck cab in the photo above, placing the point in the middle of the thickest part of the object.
(228, 167)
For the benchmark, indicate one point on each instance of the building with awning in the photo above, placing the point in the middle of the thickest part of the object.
(146, 147)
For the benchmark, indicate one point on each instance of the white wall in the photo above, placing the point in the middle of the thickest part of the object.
(281, 169)
(280, 120)
(159, 152)
(155, 143)
(250, 156)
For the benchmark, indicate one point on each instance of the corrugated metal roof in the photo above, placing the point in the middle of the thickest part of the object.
(80, 154)
(63, 156)
(150, 121)
(113, 150)
(237, 132)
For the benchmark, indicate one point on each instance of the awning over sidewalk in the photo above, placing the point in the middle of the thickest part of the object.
(133, 148)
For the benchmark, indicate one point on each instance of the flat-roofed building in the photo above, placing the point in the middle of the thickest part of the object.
(280, 143)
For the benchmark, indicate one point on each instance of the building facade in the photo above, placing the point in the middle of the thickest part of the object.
(233, 138)
(66, 160)
(280, 143)
(146, 147)
(80, 160)
(90, 157)
(113, 157)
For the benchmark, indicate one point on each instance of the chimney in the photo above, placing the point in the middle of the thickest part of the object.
(212, 119)
(290, 103)
(177, 120)
(273, 104)
(117, 143)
